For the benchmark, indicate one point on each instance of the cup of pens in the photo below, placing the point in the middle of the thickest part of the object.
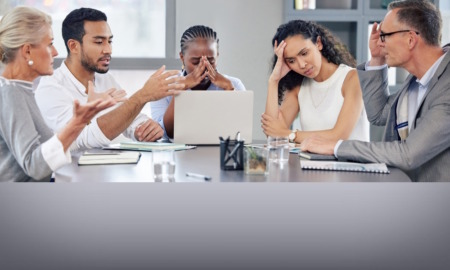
(231, 153)
(255, 159)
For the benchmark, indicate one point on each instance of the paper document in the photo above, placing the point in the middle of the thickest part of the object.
(149, 146)
(112, 157)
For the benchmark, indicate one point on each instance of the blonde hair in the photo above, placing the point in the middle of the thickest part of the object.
(20, 26)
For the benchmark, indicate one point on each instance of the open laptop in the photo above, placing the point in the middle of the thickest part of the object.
(201, 117)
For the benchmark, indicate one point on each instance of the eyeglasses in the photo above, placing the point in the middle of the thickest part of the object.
(383, 35)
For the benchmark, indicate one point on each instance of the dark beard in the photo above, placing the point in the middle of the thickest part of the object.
(89, 65)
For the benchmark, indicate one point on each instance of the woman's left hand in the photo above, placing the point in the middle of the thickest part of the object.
(275, 127)
(216, 78)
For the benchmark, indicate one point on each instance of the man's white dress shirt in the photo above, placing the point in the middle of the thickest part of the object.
(55, 96)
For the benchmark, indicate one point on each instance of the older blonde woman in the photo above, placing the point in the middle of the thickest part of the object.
(29, 151)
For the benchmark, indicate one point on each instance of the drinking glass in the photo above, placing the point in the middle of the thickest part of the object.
(278, 149)
(164, 165)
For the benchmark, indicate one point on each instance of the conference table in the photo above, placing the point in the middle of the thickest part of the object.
(289, 219)
(205, 160)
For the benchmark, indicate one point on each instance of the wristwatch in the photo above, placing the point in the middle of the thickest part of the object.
(292, 136)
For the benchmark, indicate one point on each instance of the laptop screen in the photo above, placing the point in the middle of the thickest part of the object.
(201, 117)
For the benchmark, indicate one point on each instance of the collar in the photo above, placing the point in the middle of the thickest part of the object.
(78, 85)
(430, 72)
(24, 84)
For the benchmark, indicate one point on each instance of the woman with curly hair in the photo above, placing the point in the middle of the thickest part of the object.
(313, 76)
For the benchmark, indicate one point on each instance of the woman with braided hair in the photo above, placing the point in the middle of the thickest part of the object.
(199, 52)
(313, 76)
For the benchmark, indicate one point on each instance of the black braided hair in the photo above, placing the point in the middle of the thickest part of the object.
(197, 31)
(333, 50)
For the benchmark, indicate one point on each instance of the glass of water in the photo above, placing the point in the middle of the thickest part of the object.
(278, 148)
(164, 165)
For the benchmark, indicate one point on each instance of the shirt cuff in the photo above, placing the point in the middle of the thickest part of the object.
(336, 147)
(53, 153)
(165, 136)
(368, 68)
(91, 137)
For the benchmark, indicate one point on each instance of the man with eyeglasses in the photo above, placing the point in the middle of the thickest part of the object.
(417, 117)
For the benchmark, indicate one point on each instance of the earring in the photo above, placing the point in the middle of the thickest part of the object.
(182, 67)
(30, 62)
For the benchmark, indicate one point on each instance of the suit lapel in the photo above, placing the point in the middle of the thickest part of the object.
(391, 133)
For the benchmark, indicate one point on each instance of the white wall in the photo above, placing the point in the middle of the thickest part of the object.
(245, 29)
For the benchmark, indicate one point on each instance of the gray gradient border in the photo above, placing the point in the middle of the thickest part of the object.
(225, 226)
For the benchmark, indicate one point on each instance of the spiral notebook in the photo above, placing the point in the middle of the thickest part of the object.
(343, 166)
(313, 156)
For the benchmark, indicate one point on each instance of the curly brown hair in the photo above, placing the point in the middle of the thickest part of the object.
(333, 50)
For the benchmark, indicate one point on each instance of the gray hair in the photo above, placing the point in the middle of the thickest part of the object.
(423, 16)
(21, 25)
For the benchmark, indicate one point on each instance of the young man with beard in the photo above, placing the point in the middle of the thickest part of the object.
(88, 40)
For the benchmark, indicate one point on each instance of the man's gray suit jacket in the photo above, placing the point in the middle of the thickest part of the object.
(425, 154)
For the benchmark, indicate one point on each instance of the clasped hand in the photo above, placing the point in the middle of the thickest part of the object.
(275, 127)
(205, 69)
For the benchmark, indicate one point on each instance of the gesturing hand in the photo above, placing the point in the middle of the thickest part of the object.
(117, 95)
(83, 114)
(162, 84)
(215, 77)
(281, 68)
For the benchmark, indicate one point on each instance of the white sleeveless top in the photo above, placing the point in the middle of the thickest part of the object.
(321, 102)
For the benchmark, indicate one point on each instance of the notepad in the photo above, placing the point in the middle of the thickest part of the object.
(343, 166)
(149, 146)
(113, 157)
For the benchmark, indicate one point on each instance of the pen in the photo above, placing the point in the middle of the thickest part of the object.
(196, 175)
